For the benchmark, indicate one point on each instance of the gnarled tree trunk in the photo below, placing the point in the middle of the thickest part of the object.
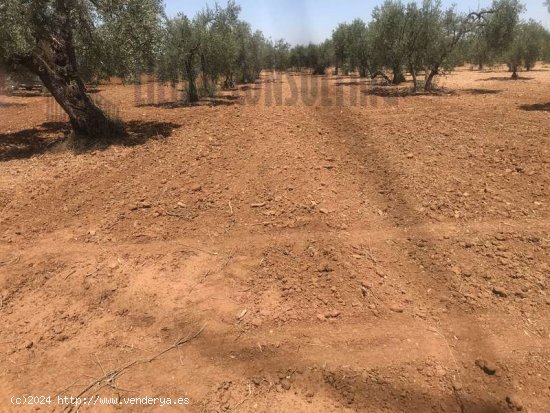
(3, 80)
(430, 79)
(204, 68)
(192, 92)
(514, 72)
(398, 76)
(415, 81)
(55, 63)
(380, 73)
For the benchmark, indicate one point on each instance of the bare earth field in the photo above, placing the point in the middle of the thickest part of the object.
(385, 255)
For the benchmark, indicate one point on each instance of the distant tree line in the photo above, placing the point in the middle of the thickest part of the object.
(68, 43)
(216, 47)
(428, 40)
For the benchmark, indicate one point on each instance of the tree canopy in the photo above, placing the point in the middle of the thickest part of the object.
(110, 37)
(65, 42)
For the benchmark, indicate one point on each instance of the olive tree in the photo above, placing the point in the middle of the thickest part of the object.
(417, 38)
(57, 39)
(479, 51)
(545, 49)
(236, 53)
(340, 43)
(181, 53)
(388, 31)
(281, 54)
(316, 57)
(298, 57)
(420, 36)
(226, 42)
(501, 29)
(248, 60)
(533, 34)
(450, 28)
(545, 52)
(525, 48)
(207, 47)
(359, 47)
(447, 30)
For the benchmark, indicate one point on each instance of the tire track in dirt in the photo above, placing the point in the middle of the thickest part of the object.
(433, 231)
(403, 210)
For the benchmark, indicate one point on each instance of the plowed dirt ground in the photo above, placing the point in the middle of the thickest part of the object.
(344, 250)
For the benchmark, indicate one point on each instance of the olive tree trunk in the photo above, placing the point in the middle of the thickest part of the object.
(56, 66)
(398, 76)
(415, 81)
(204, 69)
(430, 78)
(192, 91)
(514, 70)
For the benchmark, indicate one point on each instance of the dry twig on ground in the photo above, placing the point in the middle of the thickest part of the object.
(108, 379)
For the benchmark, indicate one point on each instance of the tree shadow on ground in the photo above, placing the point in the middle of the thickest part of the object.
(50, 135)
(536, 107)
(28, 142)
(504, 79)
(354, 83)
(270, 80)
(475, 91)
(139, 132)
(400, 92)
(404, 214)
(29, 94)
(11, 105)
(217, 101)
(349, 388)
(249, 87)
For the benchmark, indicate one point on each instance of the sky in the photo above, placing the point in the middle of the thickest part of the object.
(304, 21)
